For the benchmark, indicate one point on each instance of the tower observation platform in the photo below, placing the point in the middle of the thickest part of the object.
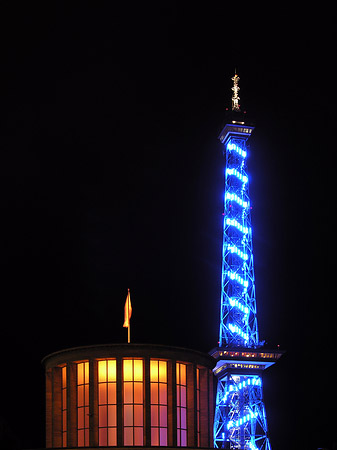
(240, 418)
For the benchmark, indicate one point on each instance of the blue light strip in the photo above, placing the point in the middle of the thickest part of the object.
(235, 303)
(238, 175)
(237, 251)
(253, 446)
(237, 149)
(236, 329)
(236, 224)
(243, 420)
(237, 199)
(252, 381)
(238, 278)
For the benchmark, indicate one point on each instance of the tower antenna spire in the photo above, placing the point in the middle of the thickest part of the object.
(235, 96)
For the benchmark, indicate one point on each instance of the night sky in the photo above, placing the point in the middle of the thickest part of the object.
(112, 178)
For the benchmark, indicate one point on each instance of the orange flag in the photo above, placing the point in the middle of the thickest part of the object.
(127, 311)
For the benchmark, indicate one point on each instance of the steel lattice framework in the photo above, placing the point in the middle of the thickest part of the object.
(240, 418)
(238, 326)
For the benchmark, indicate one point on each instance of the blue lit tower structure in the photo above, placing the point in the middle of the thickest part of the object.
(240, 417)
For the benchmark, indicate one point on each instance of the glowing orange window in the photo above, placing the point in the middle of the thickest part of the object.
(107, 403)
(181, 405)
(83, 404)
(64, 406)
(158, 386)
(133, 402)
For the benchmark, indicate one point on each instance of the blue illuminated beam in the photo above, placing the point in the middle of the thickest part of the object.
(237, 251)
(234, 197)
(233, 147)
(238, 175)
(236, 224)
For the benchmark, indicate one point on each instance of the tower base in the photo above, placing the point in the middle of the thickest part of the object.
(240, 419)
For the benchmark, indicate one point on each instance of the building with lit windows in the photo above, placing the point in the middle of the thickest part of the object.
(127, 395)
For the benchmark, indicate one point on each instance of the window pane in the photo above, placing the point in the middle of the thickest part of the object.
(86, 394)
(86, 437)
(183, 438)
(163, 416)
(64, 439)
(101, 371)
(138, 436)
(183, 418)
(102, 394)
(178, 373)
(163, 371)
(162, 394)
(80, 395)
(112, 393)
(128, 415)
(154, 436)
(64, 377)
(102, 436)
(154, 370)
(128, 436)
(102, 416)
(80, 377)
(138, 418)
(80, 438)
(86, 373)
(183, 396)
(128, 392)
(111, 370)
(138, 392)
(154, 393)
(138, 370)
(163, 436)
(127, 370)
(112, 436)
(80, 418)
(64, 420)
(182, 374)
(64, 398)
(154, 416)
(112, 422)
(86, 417)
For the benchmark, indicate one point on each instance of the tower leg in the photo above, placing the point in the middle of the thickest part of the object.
(240, 419)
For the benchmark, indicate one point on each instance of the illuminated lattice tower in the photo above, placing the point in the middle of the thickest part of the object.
(240, 418)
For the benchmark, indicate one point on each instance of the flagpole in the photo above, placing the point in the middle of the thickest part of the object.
(129, 316)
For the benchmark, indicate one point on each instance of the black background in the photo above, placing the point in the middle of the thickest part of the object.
(112, 178)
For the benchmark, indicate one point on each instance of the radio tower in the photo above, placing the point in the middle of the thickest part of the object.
(240, 418)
